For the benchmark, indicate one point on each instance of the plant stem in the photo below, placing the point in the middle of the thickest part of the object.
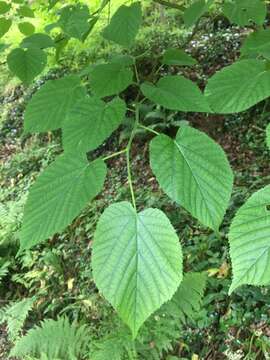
(137, 116)
(149, 129)
(114, 154)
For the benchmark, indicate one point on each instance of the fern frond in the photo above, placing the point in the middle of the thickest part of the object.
(15, 315)
(57, 339)
(187, 299)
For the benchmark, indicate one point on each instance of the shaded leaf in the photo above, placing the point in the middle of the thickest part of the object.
(26, 28)
(4, 7)
(38, 40)
(110, 79)
(242, 12)
(26, 64)
(74, 20)
(175, 92)
(124, 25)
(257, 43)
(90, 122)
(59, 96)
(26, 11)
(238, 87)
(178, 57)
(5, 25)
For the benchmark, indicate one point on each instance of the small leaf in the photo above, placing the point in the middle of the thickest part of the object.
(90, 122)
(257, 43)
(249, 241)
(26, 64)
(4, 7)
(238, 87)
(26, 28)
(38, 40)
(242, 12)
(26, 11)
(175, 92)
(110, 79)
(193, 171)
(74, 20)
(178, 57)
(124, 25)
(50, 106)
(59, 195)
(137, 261)
(5, 25)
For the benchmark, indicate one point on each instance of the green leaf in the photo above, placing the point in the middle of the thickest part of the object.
(124, 25)
(249, 241)
(50, 105)
(3, 47)
(59, 194)
(193, 13)
(38, 40)
(26, 11)
(238, 87)
(52, 3)
(178, 57)
(26, 64)
(110, 79)
(26, 28)
(242, 12)
(268, 136)
(74, 20)
(175, 92)
(4, 7)
(124, 60)
(193, 170)
(5, 25)
(188, 298)
(257, 43)
(90, 122)
(137, 261)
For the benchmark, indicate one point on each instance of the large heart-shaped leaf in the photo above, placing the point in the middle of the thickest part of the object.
(90, 122)
(257, 43)
(74, 20)
(137, 261)
(194, 171)
(175, 92)
(238, 87)
(59, 194)
(193, 13)
(50, 106)
(26, 63)
(110, 79)
(242, 12)
(124, 25)
(249, 241)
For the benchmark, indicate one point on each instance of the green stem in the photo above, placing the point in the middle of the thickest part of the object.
(115, 154)
(137, 116)
(148, 129)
